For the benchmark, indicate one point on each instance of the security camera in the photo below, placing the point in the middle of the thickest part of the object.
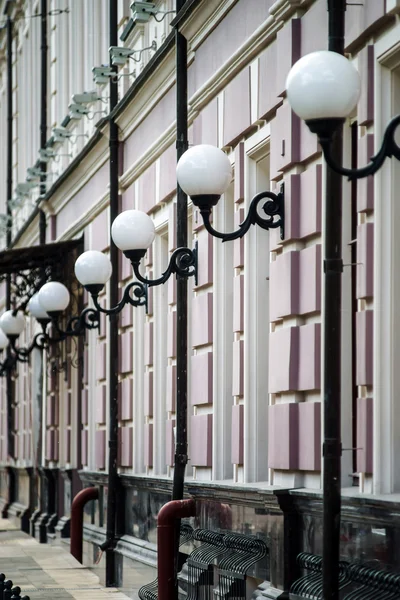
(46, 154)
(101, 75)
(120, 55)
(78, 108)
(5, 220)
(23, 189)
(142, 11)
(61, 133)
(86, 97)
(34, 172)
(15, 202)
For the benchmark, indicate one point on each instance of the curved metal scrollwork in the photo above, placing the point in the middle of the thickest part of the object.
(88, 319)
(76, 326)
(183, 262)
(40, 341)
(135, 294)
(389, 148)
(274, 211)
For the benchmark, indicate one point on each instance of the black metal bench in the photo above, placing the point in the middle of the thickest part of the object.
(217, 568)
(356, 581)
(8, 592)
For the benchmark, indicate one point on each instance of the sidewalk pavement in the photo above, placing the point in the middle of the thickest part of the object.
(46, 571)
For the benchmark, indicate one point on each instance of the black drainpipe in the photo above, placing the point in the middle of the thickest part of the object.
(181, 449)
(333, 267)
(181, 291)
(9, 27)
(45, 489)
(113, 479)
(43, 113)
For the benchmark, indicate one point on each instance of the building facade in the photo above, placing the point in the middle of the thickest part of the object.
(256, 331)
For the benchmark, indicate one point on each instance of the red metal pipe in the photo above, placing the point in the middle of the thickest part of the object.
(166, 521)
(78, 503)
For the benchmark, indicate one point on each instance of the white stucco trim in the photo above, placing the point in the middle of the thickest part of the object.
(386, 478)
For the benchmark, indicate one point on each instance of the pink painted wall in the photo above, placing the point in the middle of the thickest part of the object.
(88, 196)
(201, 440)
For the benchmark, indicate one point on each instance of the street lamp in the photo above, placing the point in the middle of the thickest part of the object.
(323, 89)
(12, 324)
(46, 306)
(132, 232)
(53, 298)
(204, 172)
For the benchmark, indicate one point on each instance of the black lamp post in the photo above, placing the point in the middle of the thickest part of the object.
(323, 88)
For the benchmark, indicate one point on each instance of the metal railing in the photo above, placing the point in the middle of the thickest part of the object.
(149, 590)
(217, 568)
(356, 581)
(8, 591)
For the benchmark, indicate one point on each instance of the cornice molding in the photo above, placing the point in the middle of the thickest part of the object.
(242, 57)
(198, 25)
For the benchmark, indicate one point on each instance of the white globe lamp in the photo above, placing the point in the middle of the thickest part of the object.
(204, 173)
(323, 86)
(133, 232)
(36, 309)
(93, 269)
(12, 324)
(54, 297)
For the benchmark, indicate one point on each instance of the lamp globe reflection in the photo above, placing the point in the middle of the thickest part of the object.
(323, 85)
(12, 325)
(54, 297)
(204, 171)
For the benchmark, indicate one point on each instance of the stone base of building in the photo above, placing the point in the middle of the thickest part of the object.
(290, 521)
(19, 514)
(63, 527)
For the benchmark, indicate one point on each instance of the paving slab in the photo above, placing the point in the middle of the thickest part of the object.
(44, 571)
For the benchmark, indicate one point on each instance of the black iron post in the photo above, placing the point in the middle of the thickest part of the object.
(44, 497)
(181, 449)
(9, 382)
(43, 112)
(333, 267)
(181, 282)
(113, 479)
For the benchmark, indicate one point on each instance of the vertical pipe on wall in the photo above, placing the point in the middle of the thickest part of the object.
(9, 382)
(42, 234)
(113, 479)
(43, 111)
(181, 295)
(181, 447)
(333, 267)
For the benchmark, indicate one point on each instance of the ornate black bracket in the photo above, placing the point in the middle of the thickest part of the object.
(76, 326)
(40, 341)
(274, 209)
(325, 130)
(135, 294)
(183, 263)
